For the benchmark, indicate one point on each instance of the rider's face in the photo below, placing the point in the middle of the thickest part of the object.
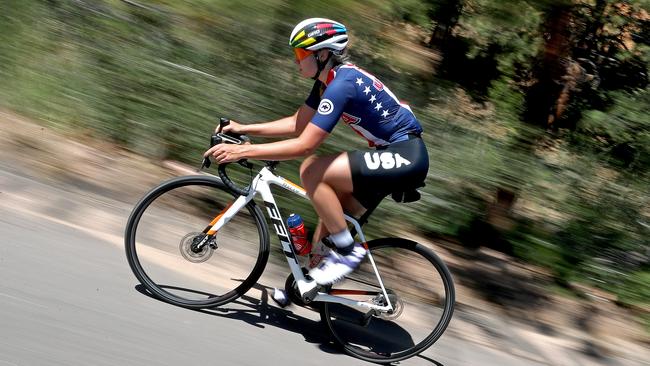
(308, 66)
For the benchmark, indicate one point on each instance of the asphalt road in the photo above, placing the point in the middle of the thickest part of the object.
(68, 297)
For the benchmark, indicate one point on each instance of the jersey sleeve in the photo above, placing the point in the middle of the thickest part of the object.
(314, 96)
(331, 106)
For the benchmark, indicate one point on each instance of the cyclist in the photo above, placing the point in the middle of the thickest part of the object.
(353, 180)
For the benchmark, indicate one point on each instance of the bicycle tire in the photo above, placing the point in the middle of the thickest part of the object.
(352, 334)
(192, 184)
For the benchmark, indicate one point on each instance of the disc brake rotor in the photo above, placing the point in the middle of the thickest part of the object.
(395, 301)
(189, 243)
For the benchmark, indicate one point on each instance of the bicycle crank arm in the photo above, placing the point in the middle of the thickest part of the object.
(308, 290)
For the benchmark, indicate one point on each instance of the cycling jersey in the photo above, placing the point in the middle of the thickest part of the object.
(363, 103)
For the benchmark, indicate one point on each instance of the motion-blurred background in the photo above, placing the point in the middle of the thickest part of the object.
(535, 115)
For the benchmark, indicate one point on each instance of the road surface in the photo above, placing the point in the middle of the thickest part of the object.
(68, 297)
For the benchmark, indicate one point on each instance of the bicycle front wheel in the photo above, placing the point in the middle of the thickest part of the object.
(420, 289)
(172, 254)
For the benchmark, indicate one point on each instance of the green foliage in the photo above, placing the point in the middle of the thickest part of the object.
(622, 133)
(503, 23)
(154, 76)
(412, 11)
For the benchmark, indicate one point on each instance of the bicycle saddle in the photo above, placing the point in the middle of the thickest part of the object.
(406, 196)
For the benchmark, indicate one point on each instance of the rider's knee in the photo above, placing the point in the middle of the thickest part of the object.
(307, 170)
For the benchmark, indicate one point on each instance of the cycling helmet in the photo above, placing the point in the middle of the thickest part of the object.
(318, 33)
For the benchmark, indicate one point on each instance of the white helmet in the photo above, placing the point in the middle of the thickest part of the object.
(317, 33)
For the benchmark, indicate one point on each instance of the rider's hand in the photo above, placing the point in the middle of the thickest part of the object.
(227, 153)
(232, 127)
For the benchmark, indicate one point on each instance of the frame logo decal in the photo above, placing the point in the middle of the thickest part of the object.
(281, 230)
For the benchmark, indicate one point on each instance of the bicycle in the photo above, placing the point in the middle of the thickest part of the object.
(361, 313)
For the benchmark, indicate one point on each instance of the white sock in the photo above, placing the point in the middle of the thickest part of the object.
(342, 240)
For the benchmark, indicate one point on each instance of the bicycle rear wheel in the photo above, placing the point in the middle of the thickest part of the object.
(162, 243)
(420, 288)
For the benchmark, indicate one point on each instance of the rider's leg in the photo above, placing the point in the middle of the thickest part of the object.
(350, 206)
(328, 182)
(324, 179)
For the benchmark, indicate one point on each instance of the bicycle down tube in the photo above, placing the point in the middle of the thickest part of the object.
(261, 184)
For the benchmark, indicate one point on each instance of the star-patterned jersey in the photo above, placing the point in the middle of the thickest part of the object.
(363, 103)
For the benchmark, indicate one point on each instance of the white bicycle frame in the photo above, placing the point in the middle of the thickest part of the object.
(261, 184)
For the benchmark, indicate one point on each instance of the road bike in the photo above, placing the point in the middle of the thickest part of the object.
(201, 241)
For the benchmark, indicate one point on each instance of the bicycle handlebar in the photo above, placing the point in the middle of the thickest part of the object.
(229, 183)
(229, 138)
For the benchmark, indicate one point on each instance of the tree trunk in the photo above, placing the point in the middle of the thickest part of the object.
(543, 97)
(446, 18)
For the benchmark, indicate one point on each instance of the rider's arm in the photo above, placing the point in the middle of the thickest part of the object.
(329, 111)
(305, 144)
(290, 126)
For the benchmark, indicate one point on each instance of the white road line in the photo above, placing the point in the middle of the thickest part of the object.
(22, 300)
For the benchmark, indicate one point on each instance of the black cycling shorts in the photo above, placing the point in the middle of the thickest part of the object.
(397, 167)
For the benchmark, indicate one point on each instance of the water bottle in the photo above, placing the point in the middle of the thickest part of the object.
(299, 234)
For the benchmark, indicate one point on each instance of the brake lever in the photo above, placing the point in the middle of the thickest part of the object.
(215, 139)
(221, 137)
(205, 164)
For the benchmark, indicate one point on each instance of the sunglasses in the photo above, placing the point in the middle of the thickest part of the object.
(301, 53)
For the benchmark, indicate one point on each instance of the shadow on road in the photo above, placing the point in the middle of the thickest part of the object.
(258, 313)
